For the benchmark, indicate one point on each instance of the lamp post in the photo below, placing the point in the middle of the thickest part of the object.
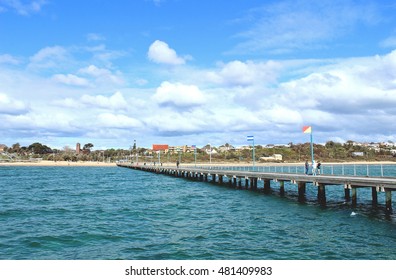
(251, 138)
(195, 155)
(210, 154)
(178, 151)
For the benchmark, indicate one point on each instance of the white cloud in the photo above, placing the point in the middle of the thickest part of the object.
(286, 26)
(102, 75)
(8, 59)
(116, 101)
(109, 120)
(238, 73)
(70, 79)
(50, 57)
(271, 99)
(95, 37)
(389, 42)
(160, 52)
(11, 106)
(178, 95)
(24, 8)
(41, 124)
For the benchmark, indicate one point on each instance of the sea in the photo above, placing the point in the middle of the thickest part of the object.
(114, 213)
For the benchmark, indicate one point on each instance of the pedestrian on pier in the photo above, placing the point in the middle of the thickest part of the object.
(306, 167)
(318, 167)
(314, 168)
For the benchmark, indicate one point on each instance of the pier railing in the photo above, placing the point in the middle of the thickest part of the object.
(375, 170)
(248, 177)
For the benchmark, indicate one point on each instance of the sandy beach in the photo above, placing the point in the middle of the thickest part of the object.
(167, 164)
(58, 163)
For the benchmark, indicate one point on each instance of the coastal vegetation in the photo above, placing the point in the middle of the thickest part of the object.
(329, 152)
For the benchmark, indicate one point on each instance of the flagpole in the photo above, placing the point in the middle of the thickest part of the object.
(251, 138)
(195, 156)
(253, 154)
(312, 151)
(308, 129)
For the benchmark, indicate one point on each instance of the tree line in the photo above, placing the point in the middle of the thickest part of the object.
(331, 151)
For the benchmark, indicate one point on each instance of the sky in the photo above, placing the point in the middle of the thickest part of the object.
(193, 72)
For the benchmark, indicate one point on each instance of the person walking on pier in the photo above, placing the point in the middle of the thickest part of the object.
(318, 167)
(314, 167)
(306, 167)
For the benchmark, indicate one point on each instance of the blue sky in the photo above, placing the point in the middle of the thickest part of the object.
(196, 72)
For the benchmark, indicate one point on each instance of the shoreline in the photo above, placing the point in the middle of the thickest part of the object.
(58, 163)
(50, 163)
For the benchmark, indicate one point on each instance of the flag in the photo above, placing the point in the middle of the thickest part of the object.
(250, 138)
(194, 146)
(307, 129)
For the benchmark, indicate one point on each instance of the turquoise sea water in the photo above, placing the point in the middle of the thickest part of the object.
(117, 213)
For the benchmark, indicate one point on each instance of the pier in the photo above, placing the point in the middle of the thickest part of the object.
(252, 179)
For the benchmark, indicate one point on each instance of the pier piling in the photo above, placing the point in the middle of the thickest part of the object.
(235, 177)
(374, 196)
(354, 196)
(301, 191)
(322, 194)
(282, 188)
(388, 199)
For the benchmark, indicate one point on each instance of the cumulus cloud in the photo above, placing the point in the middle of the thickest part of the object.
(70, 79)
(116, 101)
(238, 73)
(178, 95)
(49, 57)
(8, 59)
(160, 52)
(41, 124)
(11, 106)
(389, 42)
(109, 120)
(101, 74)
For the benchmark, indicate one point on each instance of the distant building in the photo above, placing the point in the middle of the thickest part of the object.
(78, 148)
(226, 147)
(2, 147)
(160, 147)
(358, 154)
(277, 157)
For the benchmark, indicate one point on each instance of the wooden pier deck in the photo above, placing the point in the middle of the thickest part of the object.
(250, 180)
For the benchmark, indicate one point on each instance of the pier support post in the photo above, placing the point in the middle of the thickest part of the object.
(254, 184)
(246, 183)
(240, 183)
(230, 181)
(374, 196)
(206, 177)
(267, 186)
(354, 196)
(301, 191)
(322, 194)
(388, 199)
(214, 178)
(282, 188)
(220, 179)
(234, 182)
(347, 192)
